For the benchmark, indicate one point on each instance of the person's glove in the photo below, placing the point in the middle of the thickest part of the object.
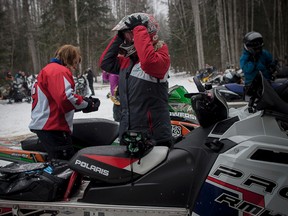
(133, 22)
(254, 58)
(121, 35)
(93, 104)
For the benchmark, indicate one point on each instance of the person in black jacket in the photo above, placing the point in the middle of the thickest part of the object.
(90, 77)
(143, 77)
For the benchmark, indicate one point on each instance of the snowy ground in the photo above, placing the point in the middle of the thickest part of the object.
(15, 118)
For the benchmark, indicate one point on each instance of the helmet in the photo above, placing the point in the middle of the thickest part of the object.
(152, 27)
(253, 41)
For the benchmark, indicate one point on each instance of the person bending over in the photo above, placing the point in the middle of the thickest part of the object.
(54, 103)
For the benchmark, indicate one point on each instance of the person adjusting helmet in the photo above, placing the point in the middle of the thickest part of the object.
(143, 77)
(254, 58)
(253, 42)
(124, 30)
(147, 20)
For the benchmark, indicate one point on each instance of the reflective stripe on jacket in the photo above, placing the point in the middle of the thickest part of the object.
(54, 100)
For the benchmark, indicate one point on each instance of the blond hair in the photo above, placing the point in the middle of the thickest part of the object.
(69, 55)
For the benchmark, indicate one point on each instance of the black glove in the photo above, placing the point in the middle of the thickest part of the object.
(93, 104)
(121, 35)
(253, 58)
(133, 22)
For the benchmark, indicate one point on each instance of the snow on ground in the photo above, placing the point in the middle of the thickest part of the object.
(15, 118)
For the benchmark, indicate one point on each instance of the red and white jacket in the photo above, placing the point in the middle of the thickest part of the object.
(54, 101)
(143, 85)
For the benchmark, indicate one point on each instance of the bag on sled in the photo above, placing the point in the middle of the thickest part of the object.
(34, 181)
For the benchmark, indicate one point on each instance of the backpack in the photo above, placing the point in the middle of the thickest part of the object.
(34, 181)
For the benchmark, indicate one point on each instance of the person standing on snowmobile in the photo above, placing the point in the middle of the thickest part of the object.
(54, 103)
(254, 58)
(143, 74)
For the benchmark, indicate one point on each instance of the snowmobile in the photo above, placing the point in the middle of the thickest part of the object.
(230, 75)
(232, 87)
(82, 86)
(183, 118)
(234, 164)
(234, 93)
(19, 91)
(86, 132)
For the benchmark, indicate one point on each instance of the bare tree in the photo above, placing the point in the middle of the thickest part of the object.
(198, 32)
(221, 24)
(236, 33)
(30, 36)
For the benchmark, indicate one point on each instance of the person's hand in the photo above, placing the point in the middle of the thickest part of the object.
(93, 104)
(133, 22)
(253, 58)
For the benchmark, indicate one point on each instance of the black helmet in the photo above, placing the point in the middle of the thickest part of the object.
(253, 41)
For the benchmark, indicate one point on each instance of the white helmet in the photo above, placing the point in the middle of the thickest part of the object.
(152, 27)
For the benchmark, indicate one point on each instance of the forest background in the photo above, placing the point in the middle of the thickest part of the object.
(198, 32)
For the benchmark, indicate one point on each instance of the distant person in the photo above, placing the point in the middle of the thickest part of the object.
(54, 103)
(90, 79)
(20, 75)
(209, 68)
(143, 77)
(9, 76)
(254, 58)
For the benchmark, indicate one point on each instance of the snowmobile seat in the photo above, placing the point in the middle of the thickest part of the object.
(86, 132)
(94, 132)
(234, 87)
(112, 164)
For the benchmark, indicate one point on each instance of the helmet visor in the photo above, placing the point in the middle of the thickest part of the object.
(255, 44)
(128, 36)
(127, 49)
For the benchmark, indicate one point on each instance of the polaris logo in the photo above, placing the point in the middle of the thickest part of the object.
(92, 167)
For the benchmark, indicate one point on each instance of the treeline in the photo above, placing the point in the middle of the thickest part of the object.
(211, 31)
(197, 31)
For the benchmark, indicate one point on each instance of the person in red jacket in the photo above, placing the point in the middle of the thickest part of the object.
(143, 74)
(54, 103)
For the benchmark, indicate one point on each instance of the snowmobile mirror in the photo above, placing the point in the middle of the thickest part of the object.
(189, 95)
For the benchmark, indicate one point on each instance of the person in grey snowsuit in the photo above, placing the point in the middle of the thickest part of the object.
(143, 74)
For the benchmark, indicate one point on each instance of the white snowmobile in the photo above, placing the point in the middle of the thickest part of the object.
(234, 164)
